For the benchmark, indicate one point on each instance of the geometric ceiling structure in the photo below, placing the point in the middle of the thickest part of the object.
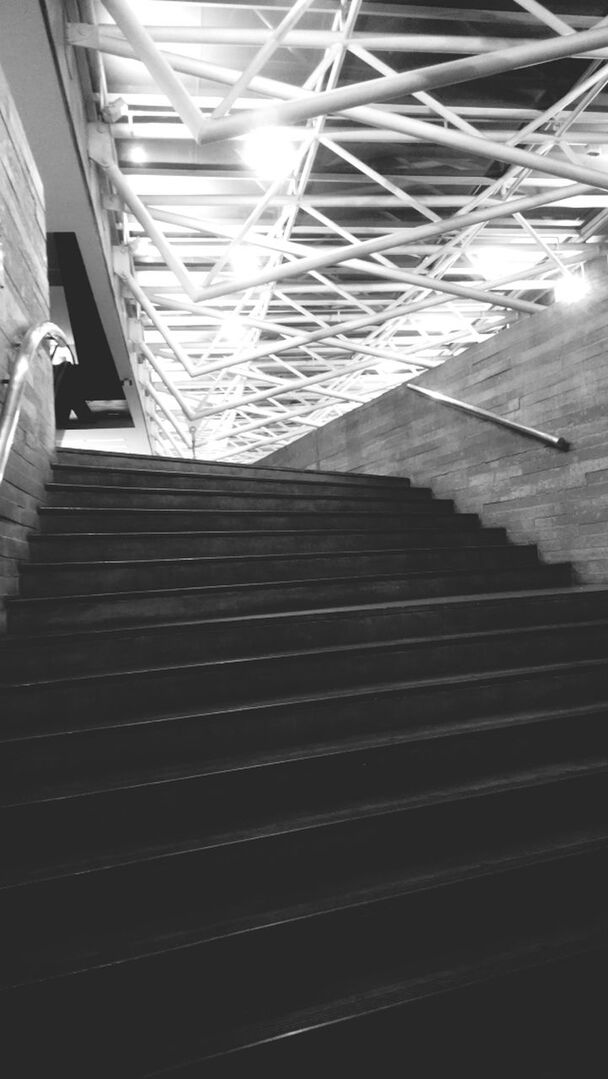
(317, 201)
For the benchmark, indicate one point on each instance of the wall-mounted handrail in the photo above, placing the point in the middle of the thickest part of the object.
(555, 441)
(17, 381)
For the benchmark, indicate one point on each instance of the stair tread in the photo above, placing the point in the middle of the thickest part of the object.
(337, 479)
(363, 649)
(420, 493)
(344, 747)
(357, 693)
(469, 518)
(418, 878)
(281, 617)
(306, 556)
(365, 1000)
(447, 794)
(274, 469)
(444, 505)
(309, 582)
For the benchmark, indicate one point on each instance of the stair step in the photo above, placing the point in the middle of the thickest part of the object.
(309, 716)
(89, 519)
(151, 692)
(163, 1034)
(303, 483)
(53, 547)
(548, 996)
(510, 851)
(177, 604)
(90, 650)
(310, 797)
(201, 889)
(160, 497)
(94, 458)
(69, 578)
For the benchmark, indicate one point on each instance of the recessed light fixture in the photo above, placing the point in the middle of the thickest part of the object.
(570, 288)
(138, 155)
(270, 152)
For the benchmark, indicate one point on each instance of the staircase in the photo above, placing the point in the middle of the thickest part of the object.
(297, 753)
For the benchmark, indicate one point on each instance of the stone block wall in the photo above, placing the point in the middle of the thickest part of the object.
(24, 300)
(549, 371)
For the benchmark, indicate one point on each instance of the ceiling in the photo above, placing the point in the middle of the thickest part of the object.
(262, 316)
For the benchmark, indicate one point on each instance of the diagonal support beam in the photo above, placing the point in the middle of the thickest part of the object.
(160, 69)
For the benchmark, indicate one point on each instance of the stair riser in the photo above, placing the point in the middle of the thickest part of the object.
(160, 692)
(66, 548)
(153, 1005)
(307, 484)
(223, 471)
(138, 608)
(117, 498)
(200, 888)
(95, 578)
(53, 657)
(83, 520)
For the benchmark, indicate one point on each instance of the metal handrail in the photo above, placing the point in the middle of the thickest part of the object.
(555, 441)
(28, 348)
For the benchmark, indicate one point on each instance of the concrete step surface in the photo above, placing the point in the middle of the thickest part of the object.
(73, 578)
(90, 649)
(208, 601)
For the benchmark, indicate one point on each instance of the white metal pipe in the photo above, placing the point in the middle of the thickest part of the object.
(87, 36)
(168, 382)
(545, 16)
(435, 284)
(401, 195)
(301, 103)
(167, 433)
(132, 200)
(384, 243)
(161, 404)
(160, 70)
(272, 43)
(139, 295)
(426, 78)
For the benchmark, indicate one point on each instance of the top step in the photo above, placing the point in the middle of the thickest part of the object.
(100, 460)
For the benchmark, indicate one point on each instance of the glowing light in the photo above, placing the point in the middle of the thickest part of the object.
(570, 288)
(233, 331)
(244, 261)
(138, 155)
(496, 262)
(269, 152)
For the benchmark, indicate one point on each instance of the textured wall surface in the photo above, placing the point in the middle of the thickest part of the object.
(549, 371)
(24, 299)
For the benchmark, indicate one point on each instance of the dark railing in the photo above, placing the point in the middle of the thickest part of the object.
(555, 441)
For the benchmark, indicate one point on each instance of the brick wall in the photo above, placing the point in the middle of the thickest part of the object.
(549, 371)
(24, 299)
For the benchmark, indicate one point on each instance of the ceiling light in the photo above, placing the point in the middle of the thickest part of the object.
(270, 152)
(245, 263)
(570, 288)
(496, 262)
(232, 330)
(138, 155)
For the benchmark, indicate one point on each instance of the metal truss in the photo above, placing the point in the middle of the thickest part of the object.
(434, 187)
